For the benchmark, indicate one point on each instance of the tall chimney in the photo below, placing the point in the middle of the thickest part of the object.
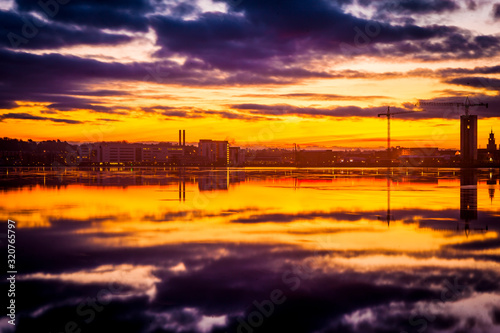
(180, 143)
(184, 138)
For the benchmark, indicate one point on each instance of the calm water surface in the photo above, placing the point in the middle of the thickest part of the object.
(254, 250)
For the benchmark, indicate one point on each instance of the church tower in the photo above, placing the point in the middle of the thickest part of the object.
(491, 147)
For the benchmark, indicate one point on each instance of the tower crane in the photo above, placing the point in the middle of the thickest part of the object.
(467, 104)
(388, 115)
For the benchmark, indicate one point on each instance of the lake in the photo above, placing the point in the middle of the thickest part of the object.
(253, 250)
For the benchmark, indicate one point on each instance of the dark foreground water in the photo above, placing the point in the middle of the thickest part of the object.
(253, 250)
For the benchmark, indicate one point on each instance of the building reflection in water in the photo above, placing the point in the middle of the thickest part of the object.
(492, 181)
(181, 175)
(219, 179)
(213, 180)
(468, 195)
(468, 201)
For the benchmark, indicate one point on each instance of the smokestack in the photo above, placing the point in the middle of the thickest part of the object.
(180, 143)
(184, 138)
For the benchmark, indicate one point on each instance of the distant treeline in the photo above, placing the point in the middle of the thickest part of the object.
(8, 144)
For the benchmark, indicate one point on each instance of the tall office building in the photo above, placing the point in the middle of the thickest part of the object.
(236, 156)
(214, 151)
(491, 147)
(468, 138)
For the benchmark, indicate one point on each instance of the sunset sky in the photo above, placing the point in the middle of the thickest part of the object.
(254, 72)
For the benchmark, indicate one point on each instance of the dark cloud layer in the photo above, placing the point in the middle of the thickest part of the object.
(24, 31)
(255, 43)
(268, 34)
(190, 112)
(413, 6)
(116, 15)
(412, 111)
(27, 116)
(84, 106)
(61, 81)
(317, 97)
(352, 111)
(496, 11)
(477, 82)
(475, 70)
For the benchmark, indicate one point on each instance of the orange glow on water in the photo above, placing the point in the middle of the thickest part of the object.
(341, 212)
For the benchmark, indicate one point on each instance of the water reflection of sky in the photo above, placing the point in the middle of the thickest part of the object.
(353, 250)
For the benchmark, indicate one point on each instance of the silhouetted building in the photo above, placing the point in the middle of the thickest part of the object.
(468, 138)
(315, 157)
(161, 153)
(236, 156)
(118, 153)
(268, 157)
(418, 156)
(420, 151)
(87, 153)
(214, 151)
(491, 147)
(122, 152)
(489, 155)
